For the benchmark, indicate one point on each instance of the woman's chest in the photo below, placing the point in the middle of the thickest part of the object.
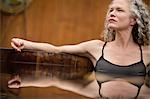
(122, 57)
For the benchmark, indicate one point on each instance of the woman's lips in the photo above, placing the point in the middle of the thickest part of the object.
(112, 20)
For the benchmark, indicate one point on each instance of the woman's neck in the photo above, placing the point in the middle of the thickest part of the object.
(124, 39)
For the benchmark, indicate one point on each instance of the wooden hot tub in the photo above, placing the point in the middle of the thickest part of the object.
(33, 65)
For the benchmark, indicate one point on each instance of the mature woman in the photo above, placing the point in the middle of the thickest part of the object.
(121, 62)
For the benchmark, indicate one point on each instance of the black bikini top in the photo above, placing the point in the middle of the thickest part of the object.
(107, 71)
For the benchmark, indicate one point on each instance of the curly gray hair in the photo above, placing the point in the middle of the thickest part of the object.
(141, 30)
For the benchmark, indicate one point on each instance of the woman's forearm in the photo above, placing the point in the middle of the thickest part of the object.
(90, 90)
(40, 46)
(20, 44)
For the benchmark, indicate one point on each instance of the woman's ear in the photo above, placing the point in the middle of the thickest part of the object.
(133, 21)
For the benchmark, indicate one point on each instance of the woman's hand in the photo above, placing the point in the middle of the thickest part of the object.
(15, 82)
(17, 44)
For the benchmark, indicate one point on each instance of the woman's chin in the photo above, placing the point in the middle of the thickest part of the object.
(112, 28)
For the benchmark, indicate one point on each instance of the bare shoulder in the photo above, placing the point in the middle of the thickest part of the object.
(93, 48)
(93, 43)
(146, 49)
(146, 53)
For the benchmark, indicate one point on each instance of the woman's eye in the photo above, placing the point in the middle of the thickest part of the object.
(120, 10)
(110, 10)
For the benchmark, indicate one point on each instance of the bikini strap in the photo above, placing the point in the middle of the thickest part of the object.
(137, 93)
(103, 49)
(141, 53)
(99, 89)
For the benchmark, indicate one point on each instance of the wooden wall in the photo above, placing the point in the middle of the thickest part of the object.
(56, 21)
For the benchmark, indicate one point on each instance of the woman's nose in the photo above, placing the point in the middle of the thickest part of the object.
(113, 13)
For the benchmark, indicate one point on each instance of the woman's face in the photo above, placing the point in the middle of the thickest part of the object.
(119, 16)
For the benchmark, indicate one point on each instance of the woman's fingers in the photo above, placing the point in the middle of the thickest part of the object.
(14, 86)
(17, 44)
(15, 82)
(15, 47)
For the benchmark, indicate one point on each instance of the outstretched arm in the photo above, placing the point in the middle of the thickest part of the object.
(88, 49)
(82, 48)
(88, 90)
